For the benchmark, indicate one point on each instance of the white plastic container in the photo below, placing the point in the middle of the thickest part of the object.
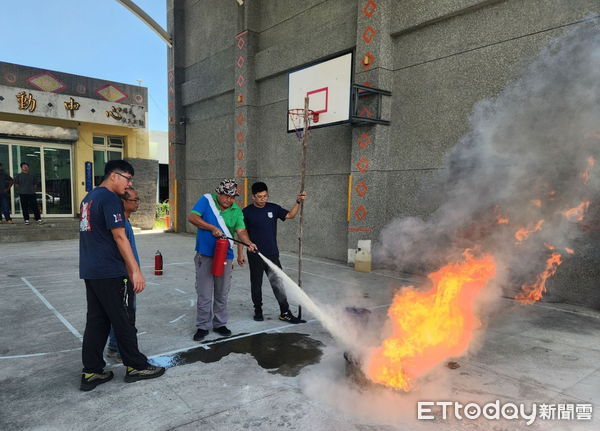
(362, 260)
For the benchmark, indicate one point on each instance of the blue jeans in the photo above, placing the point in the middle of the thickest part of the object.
(112, 338)
(4, 206)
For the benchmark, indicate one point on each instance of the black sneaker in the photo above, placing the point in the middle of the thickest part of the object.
(200, 334)
(90, 380)
(290, 318)
(152, 372)
(258, 316)
(223, 330)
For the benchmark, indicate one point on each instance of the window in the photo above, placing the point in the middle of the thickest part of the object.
(106, 148)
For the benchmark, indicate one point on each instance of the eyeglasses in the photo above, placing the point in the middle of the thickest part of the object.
(129, 179)
(134, 200)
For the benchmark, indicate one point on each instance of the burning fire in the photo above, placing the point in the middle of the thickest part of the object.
(523, 233)
(502, 220)
(533, 292)
(537, 202)
(429, 327)
(576, 214)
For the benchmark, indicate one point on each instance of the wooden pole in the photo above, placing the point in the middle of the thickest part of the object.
(302, 185)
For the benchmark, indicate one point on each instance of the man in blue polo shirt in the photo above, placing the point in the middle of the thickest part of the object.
(215, 215)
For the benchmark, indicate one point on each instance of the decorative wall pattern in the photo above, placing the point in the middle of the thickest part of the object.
(32, 78)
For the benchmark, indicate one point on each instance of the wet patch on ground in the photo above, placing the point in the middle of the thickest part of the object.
(280, 353)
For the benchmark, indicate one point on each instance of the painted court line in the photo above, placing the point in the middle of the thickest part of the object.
(64, 274)
(206, 346)
(323, 276)
(177, 318)
(54, 310)
(179, 290)
(31, 355)
(169, 264)
(36, 252)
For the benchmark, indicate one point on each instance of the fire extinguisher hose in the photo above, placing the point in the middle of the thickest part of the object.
(236, 240)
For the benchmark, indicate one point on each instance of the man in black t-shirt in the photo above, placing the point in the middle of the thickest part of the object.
(261, 223)
(112, 276)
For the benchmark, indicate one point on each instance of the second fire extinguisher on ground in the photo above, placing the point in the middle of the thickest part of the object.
(158, 263)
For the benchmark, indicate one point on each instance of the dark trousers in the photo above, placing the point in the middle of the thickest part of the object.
(257, 267)
(29, 204)
(106, 306)
(4, 206)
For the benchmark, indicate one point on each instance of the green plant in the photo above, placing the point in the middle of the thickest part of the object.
(162, 209)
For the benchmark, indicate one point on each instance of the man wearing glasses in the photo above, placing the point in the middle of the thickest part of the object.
(112, 276)
(260, 218)
(131, 203)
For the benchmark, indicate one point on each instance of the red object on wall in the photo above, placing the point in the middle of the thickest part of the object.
(219, 257)
(158, 263)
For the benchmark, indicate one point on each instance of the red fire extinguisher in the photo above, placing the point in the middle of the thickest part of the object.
(219, 257)
(158, 263)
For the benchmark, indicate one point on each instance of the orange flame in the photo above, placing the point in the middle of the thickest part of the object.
(576, 214)
(429, 327)
(533, 292)
(537, 202)
(585, 175)
(569, 250)
(502, 220)
(523, 233)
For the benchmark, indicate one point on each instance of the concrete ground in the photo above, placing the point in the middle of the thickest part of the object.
(269, 375)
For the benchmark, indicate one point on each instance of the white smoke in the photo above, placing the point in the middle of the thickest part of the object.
(527, 147)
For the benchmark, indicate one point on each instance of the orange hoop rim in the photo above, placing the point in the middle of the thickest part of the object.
(299, 113)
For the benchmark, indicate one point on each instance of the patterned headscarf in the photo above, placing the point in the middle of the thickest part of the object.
(227, 187)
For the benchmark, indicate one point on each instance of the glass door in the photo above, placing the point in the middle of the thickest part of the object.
(32, 156)
(57, 175)
(51, 166)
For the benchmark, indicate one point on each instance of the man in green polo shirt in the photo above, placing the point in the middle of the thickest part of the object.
(215, 215)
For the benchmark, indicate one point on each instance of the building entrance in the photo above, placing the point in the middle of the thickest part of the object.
(51, 165)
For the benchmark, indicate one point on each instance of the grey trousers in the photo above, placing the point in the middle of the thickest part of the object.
(212, 293)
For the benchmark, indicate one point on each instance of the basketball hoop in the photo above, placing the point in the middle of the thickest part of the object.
(299, 117)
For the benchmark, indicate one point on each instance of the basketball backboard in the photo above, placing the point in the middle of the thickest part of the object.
(327, 85)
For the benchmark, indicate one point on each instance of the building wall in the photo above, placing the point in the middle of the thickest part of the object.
(437, 58)
(146, 173)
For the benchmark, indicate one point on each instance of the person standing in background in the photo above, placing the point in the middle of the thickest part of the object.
(25, 185)
(131, 203)
(6, 183)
